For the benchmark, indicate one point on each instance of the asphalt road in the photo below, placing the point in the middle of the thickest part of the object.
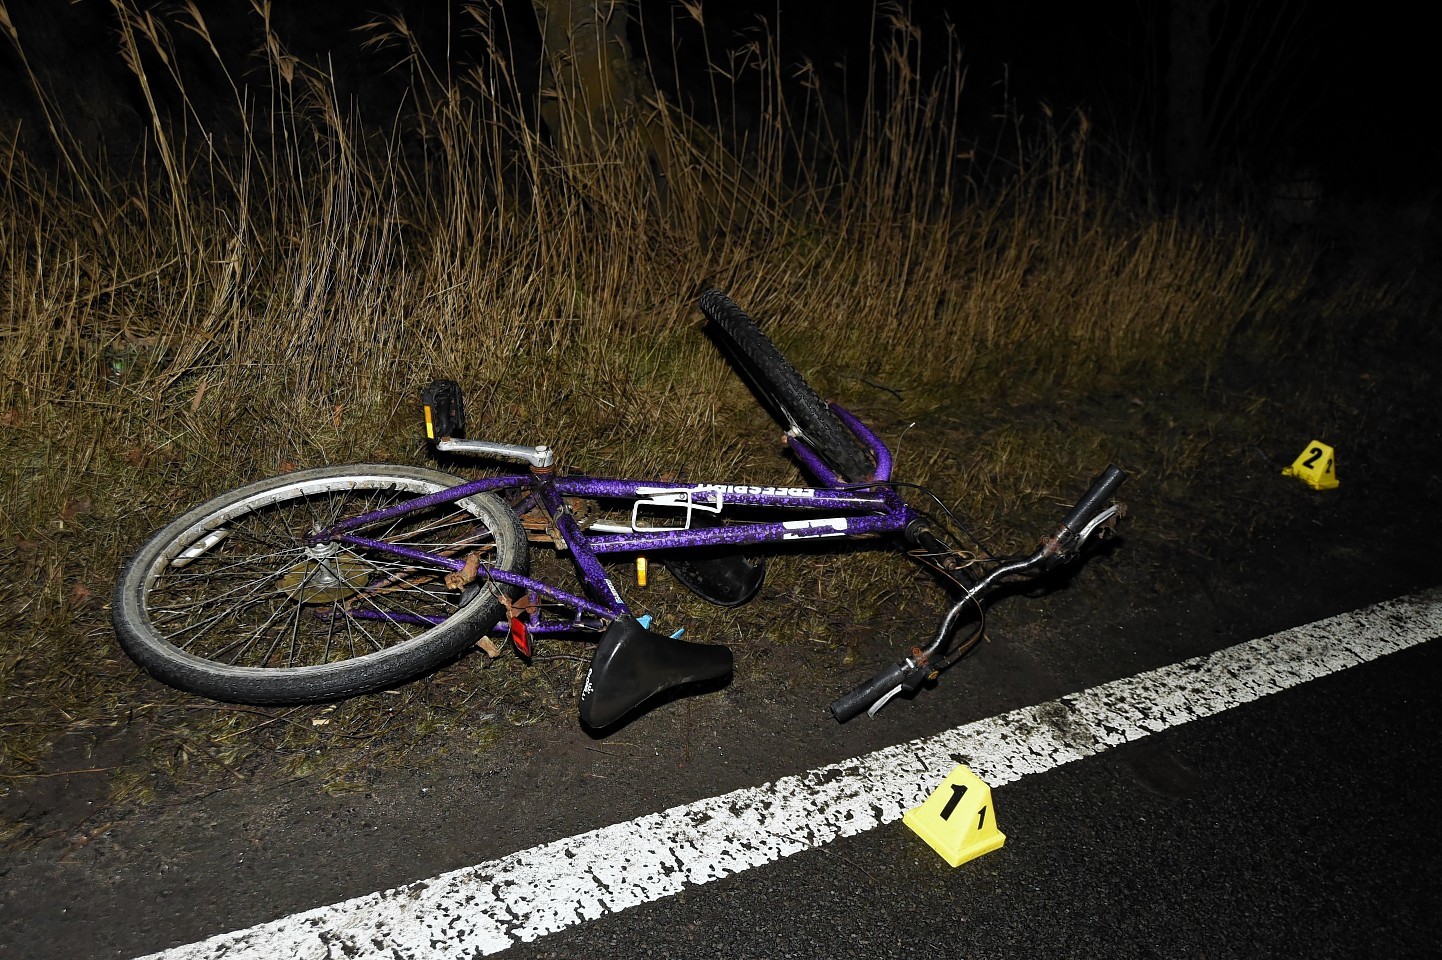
(1302, 824)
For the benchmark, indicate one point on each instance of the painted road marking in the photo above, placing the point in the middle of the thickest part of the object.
(527, 895)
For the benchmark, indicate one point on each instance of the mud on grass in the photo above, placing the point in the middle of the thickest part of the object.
(87, 735)
(1204, 466)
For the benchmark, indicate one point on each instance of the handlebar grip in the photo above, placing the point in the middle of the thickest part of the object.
(1094, 500)
(848, 705)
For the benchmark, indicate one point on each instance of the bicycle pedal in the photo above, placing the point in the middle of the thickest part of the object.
(444, 408)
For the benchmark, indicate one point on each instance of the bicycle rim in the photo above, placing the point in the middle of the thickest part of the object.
(233, 600)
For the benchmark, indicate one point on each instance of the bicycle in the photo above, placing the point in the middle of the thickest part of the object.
(331, 582)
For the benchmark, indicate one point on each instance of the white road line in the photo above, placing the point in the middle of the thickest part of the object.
(527, 895)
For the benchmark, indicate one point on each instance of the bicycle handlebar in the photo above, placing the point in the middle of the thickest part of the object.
(1090, 513)
(906, 675)
(1094, 500)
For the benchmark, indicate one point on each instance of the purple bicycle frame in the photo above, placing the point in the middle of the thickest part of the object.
(845, 511)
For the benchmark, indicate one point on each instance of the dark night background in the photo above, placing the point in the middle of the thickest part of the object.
(1336, 95)
(1304, 825)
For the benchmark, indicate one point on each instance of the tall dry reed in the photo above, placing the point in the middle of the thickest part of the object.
(269, 292)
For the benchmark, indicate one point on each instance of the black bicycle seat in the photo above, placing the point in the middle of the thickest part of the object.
(632, 665)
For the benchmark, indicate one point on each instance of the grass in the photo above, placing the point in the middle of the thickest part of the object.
(268, 295)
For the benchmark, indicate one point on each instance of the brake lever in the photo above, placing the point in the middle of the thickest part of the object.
(875, 708)
(1105, 523)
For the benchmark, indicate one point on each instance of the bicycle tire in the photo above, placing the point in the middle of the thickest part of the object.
(794, 403)
(229, 602)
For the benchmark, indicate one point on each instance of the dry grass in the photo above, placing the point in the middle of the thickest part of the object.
(236, 308)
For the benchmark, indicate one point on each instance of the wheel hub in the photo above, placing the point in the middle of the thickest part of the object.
(324, 577)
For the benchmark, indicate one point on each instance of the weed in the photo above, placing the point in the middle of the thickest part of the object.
(233, 307)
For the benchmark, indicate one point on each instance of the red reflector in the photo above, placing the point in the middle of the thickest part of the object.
(521, 637)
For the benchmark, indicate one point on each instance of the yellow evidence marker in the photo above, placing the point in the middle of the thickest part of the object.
(957, 819)
(1316, 467)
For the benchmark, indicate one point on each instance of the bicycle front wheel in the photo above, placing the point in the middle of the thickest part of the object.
(783, 389)
(234, 601)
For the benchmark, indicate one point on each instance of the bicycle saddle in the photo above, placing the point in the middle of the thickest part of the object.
(632, 665)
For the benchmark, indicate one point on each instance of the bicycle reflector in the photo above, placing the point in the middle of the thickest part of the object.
(444, 409)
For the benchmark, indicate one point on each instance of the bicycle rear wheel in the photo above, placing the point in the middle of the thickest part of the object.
(233, 602)
(786, 392)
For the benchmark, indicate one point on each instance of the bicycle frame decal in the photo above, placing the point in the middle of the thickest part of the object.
(863, 511)
(815, 528)
(720, 489)
(883, 514)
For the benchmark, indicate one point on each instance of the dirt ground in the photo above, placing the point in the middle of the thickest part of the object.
(1205, 491)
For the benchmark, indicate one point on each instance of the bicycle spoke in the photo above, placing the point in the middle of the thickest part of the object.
(242, 643)
(217, 618)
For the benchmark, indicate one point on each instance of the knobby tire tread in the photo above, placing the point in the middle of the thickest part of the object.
(774, 376)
